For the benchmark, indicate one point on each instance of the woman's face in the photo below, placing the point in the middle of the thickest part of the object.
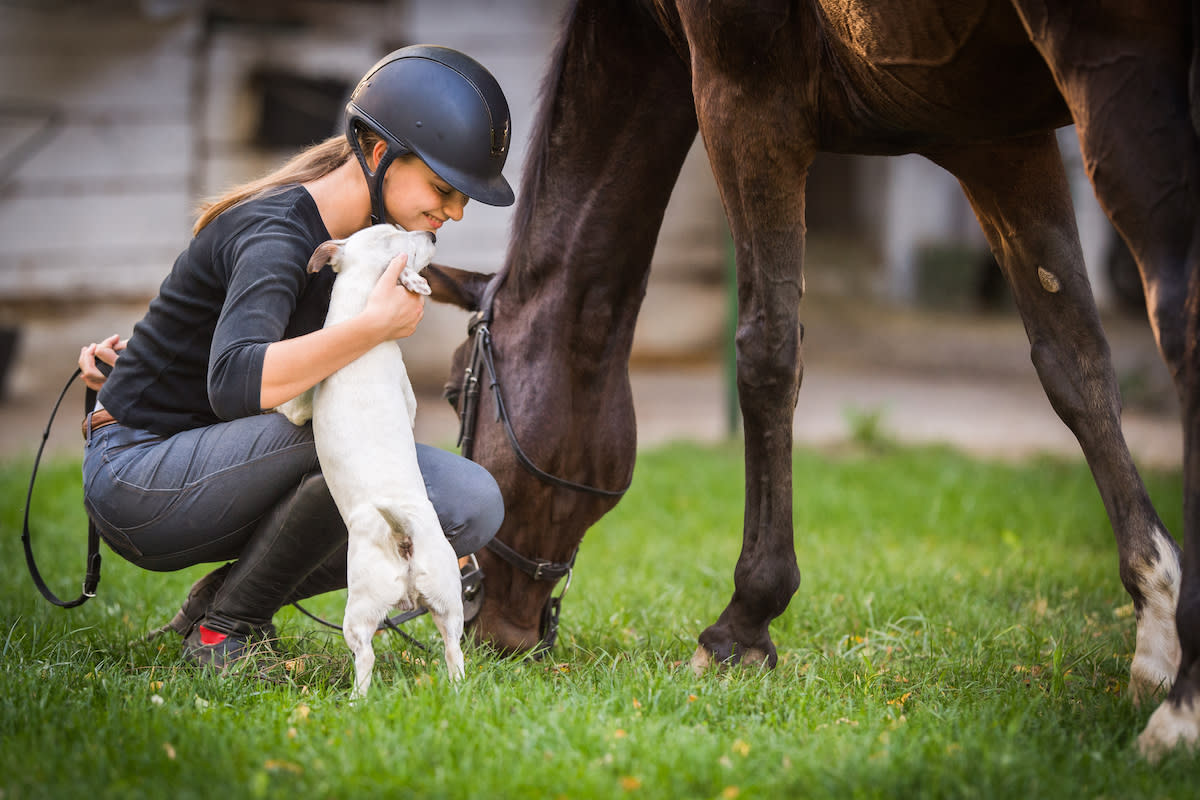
(417, 199)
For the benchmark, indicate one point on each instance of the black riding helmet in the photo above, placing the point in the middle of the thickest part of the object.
(445, 107)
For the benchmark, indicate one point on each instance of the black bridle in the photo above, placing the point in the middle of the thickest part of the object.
(482, 358)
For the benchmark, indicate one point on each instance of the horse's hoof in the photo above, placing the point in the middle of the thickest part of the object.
(702, 661)
(757, 658)
(1170, 726)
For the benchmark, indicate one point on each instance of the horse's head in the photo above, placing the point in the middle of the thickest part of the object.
(554, 420)
(554, 429)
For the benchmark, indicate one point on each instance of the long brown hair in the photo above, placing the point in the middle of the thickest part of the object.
(309, 164)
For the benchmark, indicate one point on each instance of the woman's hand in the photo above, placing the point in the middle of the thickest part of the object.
(106, 352)
(292, 366)
(395, 308)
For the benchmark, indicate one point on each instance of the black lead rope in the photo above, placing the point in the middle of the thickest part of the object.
(92, 575)
(472, 581)
(389, 623)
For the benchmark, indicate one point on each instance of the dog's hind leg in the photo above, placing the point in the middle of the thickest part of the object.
(358, 631)
(450, 625)
(436, 576)
(375, 577)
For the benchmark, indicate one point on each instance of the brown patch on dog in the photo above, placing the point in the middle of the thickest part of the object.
(404, 545)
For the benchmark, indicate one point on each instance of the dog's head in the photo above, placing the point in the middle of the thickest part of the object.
(374, 248)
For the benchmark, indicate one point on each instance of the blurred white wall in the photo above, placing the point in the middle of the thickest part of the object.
(117, 118)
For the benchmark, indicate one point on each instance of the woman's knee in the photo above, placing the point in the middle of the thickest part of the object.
(465, 495)
(477, 517)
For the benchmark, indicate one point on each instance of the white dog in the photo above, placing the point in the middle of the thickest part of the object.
(362, 419)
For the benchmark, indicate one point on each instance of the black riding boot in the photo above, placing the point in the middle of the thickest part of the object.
(196, 604)
(329, 576)
(291, 541)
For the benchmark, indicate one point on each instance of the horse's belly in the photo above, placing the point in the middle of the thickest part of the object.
(915, 73)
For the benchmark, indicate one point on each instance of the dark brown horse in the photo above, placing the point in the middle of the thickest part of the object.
(978, 87)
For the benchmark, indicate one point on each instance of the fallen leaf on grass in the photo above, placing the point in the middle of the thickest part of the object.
(278, 765)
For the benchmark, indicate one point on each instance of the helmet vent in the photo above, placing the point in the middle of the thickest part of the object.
(499, 149)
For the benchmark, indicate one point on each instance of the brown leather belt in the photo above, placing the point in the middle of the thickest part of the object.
(99, 420)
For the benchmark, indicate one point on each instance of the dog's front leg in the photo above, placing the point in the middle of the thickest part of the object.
(299, 409)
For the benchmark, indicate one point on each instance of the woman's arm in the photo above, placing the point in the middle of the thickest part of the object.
(291, 366)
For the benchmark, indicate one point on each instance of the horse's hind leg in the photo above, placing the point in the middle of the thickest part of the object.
(1129, 74)
(1019, 192)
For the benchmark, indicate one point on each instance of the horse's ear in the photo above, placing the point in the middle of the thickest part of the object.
(325, 252)
(458, 287)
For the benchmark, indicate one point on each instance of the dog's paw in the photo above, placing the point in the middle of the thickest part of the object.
(298, 410)
(412, 280)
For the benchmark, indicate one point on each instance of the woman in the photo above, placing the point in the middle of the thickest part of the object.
(182, 466)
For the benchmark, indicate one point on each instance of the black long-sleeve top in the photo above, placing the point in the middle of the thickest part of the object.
(196, 357)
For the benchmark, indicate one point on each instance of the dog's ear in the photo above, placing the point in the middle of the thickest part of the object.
(325, 252)
(457, 287)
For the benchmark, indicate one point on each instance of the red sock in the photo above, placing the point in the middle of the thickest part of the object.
(210, 637)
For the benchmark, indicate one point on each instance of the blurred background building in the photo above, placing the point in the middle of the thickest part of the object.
(117, 117)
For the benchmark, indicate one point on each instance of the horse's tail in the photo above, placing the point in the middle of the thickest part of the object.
(1194, 71)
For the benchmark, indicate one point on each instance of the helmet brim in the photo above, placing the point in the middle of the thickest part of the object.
(492, 192)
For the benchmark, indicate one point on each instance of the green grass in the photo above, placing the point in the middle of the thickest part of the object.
(960, 632)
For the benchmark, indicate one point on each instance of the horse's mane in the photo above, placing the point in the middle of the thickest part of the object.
(537, 155)
(582, 40)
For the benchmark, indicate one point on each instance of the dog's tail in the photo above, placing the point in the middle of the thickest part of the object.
(399, 519)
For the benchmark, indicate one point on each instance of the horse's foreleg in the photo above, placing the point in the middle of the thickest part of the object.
(1019, 192)
(765, 210)
(769, 368)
